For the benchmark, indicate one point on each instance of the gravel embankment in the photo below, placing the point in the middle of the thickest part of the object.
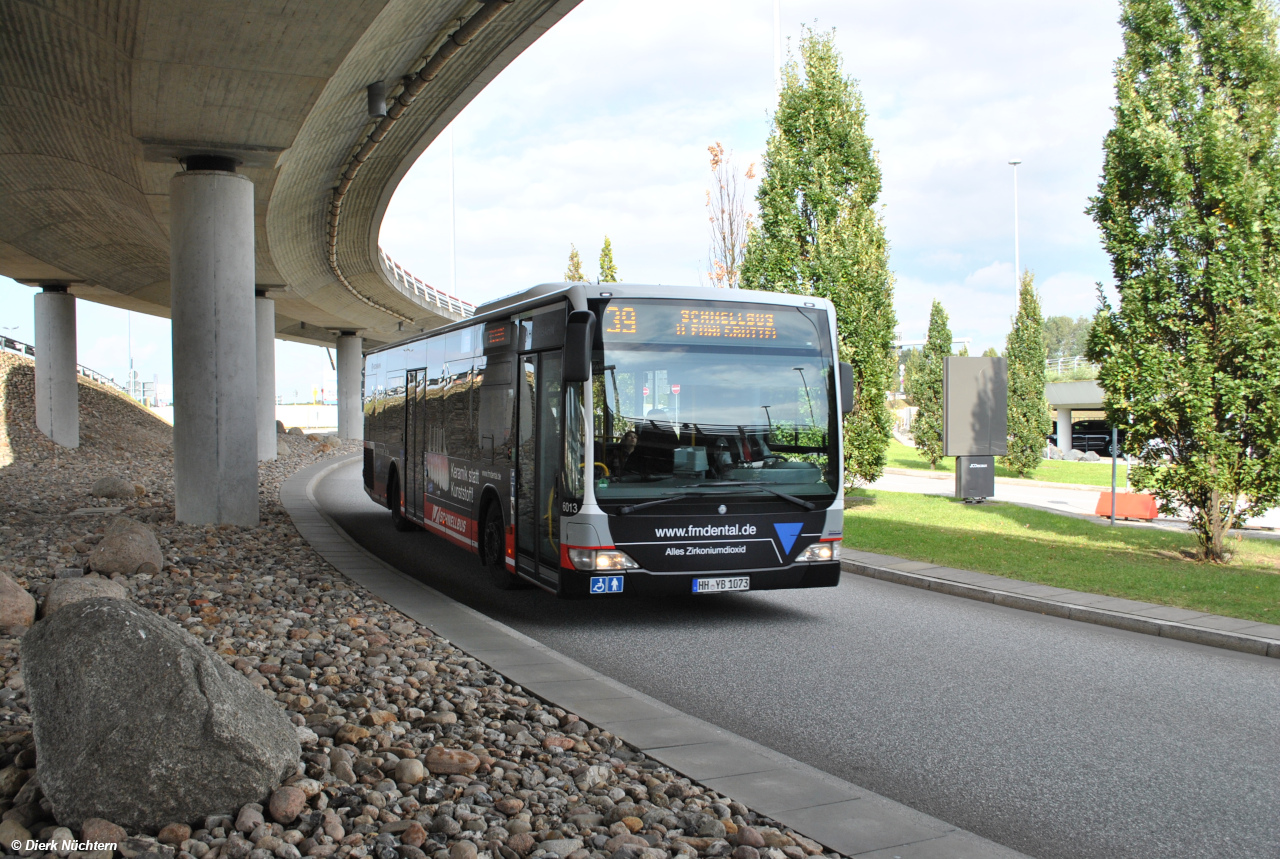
(376, 691)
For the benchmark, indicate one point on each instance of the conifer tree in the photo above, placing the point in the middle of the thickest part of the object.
(574, 273)
(1028, 408)
(820, 234)
(1189, 210)
(608, 271)
(926, 388)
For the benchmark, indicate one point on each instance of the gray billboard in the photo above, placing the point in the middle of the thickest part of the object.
(975, 407)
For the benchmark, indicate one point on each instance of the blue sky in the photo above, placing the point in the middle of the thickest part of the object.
(601, 127)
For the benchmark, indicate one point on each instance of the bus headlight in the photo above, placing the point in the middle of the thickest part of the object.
(821, 552)
(601, 559)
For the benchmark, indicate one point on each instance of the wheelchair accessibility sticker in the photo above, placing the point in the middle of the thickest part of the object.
(606, 584)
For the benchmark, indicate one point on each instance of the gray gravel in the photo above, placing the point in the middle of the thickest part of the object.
(1055, 738)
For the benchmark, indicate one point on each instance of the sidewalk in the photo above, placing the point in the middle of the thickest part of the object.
(1246, 636)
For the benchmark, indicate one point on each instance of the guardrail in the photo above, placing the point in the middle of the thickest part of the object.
(423, 290)
(1066, 365)
(8, 344)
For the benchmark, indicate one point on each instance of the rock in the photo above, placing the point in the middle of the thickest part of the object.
(287, 803)
(1073, 456)
(441, 718)
(17, 607)
(1090, 456)
(283, 449)
(410, 771)
(342, 772)
(563, 846)
(13, 777)
(521, 843)
(280, 428)
(174, 833)
(63, 592)
(442, 761)
(742, 851)
(509, 805)
(102, 831)
(10, 831)
(378, 718)
(128, 547)
(136, 720)
(350, 733)
(414, 835)
(464, 850)
(113, 487)
(563, 743)
(296, 431)
(312, 437)
(749, 837)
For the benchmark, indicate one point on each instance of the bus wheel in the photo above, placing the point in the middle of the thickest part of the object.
(494, 537)
(398, 520)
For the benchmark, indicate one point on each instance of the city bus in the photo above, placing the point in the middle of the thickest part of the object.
(616, 439)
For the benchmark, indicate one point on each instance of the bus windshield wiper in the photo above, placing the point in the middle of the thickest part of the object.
(623, 511)
(799, 502)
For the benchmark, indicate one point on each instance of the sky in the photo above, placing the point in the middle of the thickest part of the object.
(602, 128)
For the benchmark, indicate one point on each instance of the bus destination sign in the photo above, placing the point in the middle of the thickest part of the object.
(689, 323)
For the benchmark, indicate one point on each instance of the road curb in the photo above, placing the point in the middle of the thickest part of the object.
(841, 816)
(1064, 608)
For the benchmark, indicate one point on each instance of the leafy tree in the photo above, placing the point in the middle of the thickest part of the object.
(911, 361)
(990, 352)
(574, 273)
(819, 233)
(1189, 209)
(730, 220)
(926, 388)
(1065, 337)
(1028, 408)
(608, 271)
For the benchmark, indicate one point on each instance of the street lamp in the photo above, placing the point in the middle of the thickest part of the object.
(1017, 271)
(808, 399)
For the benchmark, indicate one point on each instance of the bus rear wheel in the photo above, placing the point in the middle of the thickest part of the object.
(398, 519)
(494, 541)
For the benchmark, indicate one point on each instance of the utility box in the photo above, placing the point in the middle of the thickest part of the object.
(975, 421)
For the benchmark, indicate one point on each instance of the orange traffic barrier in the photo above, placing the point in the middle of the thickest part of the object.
(1129, 505)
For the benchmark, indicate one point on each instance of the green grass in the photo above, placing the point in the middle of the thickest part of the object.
(1051, 470)
(1038, 546)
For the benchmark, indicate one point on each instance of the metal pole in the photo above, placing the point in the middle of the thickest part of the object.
(1017, 263)
(777, 48)
(453, 222)
(1114, 455)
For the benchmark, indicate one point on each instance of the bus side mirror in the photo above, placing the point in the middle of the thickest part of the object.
(578, 335)
(846, 387)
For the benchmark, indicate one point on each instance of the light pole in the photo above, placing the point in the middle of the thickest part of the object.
(812, 419)
(1017, 270)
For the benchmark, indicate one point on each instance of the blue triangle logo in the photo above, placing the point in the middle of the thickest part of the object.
(787, 533)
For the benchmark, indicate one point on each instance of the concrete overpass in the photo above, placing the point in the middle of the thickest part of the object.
(227, 164)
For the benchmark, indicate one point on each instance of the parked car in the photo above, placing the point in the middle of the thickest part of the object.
(1090, 435)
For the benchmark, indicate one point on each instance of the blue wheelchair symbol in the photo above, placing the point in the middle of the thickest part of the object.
(606, 584)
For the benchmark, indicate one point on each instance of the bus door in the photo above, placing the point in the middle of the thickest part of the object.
(539, 418)
(413, 443)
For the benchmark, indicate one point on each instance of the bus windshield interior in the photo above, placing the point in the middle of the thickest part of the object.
(712, 394)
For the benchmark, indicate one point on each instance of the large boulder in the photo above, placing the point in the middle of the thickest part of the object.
(279, 427)
(114, 487)
(17, 607)
(127, 547)
(283, 449)
(137, 722)
(63, 592)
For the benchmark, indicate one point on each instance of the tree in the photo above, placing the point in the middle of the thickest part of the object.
(574, 273)
(1189, 210)
(1065, 337)
(819, 233)
(990, 352)
(926, 388)
(730, 221)
(608, 271)
(1028, 408)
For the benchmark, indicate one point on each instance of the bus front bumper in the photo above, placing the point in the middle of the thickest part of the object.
(576, 584)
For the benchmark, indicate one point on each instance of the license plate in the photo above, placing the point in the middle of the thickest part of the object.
(715, 586)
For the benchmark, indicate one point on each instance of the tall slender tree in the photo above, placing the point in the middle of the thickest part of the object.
(926, 388)
(1028, 408)
(1189, 209)
(729, 218)
(820, 234)
(608, 271)
(574, 273)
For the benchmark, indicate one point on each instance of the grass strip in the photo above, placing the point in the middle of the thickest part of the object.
(1051, 470)
(1038, 546)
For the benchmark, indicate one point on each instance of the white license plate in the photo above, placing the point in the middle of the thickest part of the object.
(715, 586)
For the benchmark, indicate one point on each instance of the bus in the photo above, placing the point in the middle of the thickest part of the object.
(616, 439)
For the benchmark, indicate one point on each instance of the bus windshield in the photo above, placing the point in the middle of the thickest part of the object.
(714, 394)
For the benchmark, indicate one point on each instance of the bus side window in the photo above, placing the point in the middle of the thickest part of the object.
(493, 423)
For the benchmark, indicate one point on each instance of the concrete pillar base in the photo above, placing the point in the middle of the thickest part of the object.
(57, 383)
(1064, 429)
(350, 382)
(215, 374)
(268, 444)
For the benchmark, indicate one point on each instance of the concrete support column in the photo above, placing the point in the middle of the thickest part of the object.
(268, 444)
(1064, 428)
(57, 391)
(350, 383)
(215, 376)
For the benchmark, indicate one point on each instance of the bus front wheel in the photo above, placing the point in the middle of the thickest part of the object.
(494, 536)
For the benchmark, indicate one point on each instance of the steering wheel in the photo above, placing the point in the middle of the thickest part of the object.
(772, 457)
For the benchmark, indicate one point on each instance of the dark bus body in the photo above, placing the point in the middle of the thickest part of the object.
(699, 453)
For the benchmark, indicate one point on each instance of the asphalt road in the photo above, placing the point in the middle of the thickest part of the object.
(1053, 737)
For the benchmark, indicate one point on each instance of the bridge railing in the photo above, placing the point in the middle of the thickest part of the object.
(1067, 364)
(423, 290)
(8, 344)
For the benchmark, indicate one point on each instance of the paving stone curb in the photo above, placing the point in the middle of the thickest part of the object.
(842, 816)
(1193, 627)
